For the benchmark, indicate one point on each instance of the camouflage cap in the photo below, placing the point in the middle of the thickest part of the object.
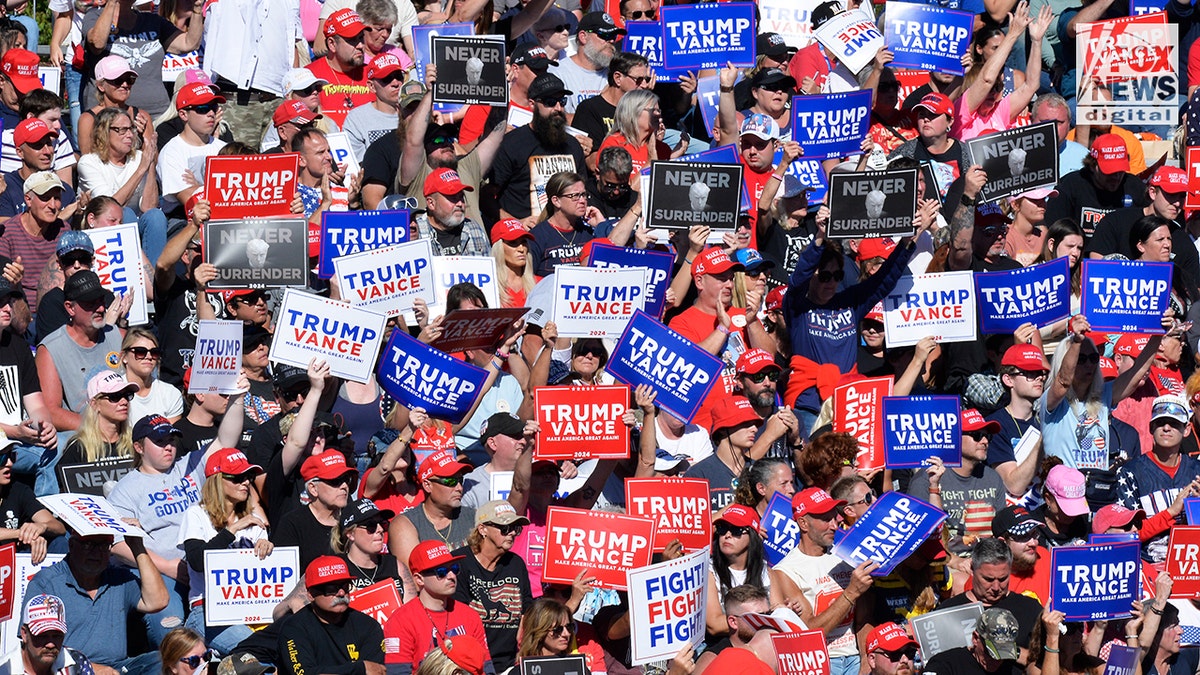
(997, 628)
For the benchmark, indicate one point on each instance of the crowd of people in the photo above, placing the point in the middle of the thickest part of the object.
(1066, 432)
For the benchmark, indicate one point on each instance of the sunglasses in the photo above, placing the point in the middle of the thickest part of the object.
(722, 528)
(570, 627)
(511, 528)
(759, 378)
(204, 108)
(7, 456)
(613, 187)
(127, 78)
(897, 655)
(251, 299)
(116, 397)
(442, 140)
(993, 230)
(309, 91)
(867, 500)
(639, 14)
(332, 588)
(774, 87)
(871, 325)
(553, 101)
(976, 436)
(557, 29)
(1093, 357)
(445, 481)
(1032, 374)
(293, 394)
(373, 526)
(237, 479)
(591, 353)
(443, 571)
(639, 81)
(825, 276)
(341, 480)
(76, 259)
(194, 662)
(143, 352)
(121, 131)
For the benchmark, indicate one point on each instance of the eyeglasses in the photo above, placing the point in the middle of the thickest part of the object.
(332, 588)
(194, 661)
(121, 131)
(1032, 374)
(116, 397)
(759, 378)
(445, 481)
(143, 352)
(443, 571)
(237, 479)
(899, 654)
(373, 526)
(723, 528)
(553, 101)
(574, 196)
(203, 108)
(570, 627)
(825, 276)
(639, 14)
(976, 436)
(1093, 357)
(76, 260)
(304, 93)
(867, 500)
(505, 530)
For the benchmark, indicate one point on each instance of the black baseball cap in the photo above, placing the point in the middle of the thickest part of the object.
(533, 57)
(547, 85)
(84, 286)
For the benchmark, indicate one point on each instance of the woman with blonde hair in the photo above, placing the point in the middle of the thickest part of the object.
(104, 429)
(635, 128)
(514, 273)
(459, 655)
(140, 354)
(114, 83)
(358, 538)
(227, 516)
(183, 652)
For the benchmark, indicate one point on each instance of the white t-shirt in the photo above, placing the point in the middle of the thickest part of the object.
(196, 525)
(822, 580)
(163, 399)
(174, 159)
(694, 443)
(104, 179)
(582, 83)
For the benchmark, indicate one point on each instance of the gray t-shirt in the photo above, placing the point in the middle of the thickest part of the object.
(477, 487)
(365, 125)
(971, 503)
(76, 364)
(144, 47)
(158, 501)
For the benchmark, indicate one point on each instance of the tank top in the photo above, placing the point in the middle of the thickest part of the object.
(455, 536)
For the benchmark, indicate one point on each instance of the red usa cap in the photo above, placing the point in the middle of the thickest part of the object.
(1170, 179)
(344, 22)
(442, 464)
(875, 247)
(445, 182)
(775, 298)
(30, 130)
(972, 420)
(325, 570)
(755, 361)
(814, 501)
(509, 229)
(21, 67)
(739, 515)
(383, 65)
(733, 411)
(329, 464)
(1131, 344)
(938, 104)
(713, 261)
(293, 111)
(888, 637)
(428, 555)
(1110, 153)
(196, 93)
(1025, 357)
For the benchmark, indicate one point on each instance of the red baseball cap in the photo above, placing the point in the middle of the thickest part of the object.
(755, 361)
(1108, 368)
(383, 65)
(876, 313)
(445, 182)
(465, 652)
(814, 501)
(938, 104)
(1110, 154)
(31, 130)
(733, 411)
(713, 261)
(327, 465)
(888, 637)
(509, 229)
(1025, 357)
(196, 93)
(739, 515)
(1131, 344)
(21, 67)
(326, 569)
(775, 298)
(229, 461)
(972, 420)
(1170, 179)
(344, 22)
(875, 247)
(293, 111)
(442, 464)
(428, 555)
(1114, 515)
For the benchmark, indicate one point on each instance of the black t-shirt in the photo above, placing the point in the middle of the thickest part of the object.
(299, 527)
(551, 247)
(720, 480)
(783, 247)
(1076, 534)
(511, 167)
(177, 327)
(1025, 610)
(18, 506)
(18, 377)
(1112, 236)
(381, 161)
(959, 661)
(1079, 200)
(195, 438)
(1003, 443)
(74, 454)
(51, 313)
(595, 116)
(365, 577)
(306, 645)
(499, 596)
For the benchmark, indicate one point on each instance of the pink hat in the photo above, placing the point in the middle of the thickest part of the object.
(110, 382)
(112, 67)
(1069, 488)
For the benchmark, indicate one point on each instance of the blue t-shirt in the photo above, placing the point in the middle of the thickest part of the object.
(12, 201)
(96, 626)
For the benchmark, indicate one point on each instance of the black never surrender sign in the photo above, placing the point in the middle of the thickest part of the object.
(1016, 161)
(872, 204)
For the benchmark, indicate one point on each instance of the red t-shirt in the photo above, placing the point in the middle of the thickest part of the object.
(410, 632)
(344, 92)
(755, 182)
(696, 325)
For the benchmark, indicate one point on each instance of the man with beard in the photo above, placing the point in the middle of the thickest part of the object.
(342, 68)
(327, 636)
(495, 580)
(1023, 371)
(758, 375)
(43, 627)
(1030, 562)
(66, 357)
(389, 168)
(546, 139)
(1165, 195)
(584, 72)
(434, 616)
(1103, 185)
(890, 651)
(445, 223)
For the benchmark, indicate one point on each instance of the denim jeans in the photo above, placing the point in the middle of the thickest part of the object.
(39, 462)
(152, 229)
(224, 639)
